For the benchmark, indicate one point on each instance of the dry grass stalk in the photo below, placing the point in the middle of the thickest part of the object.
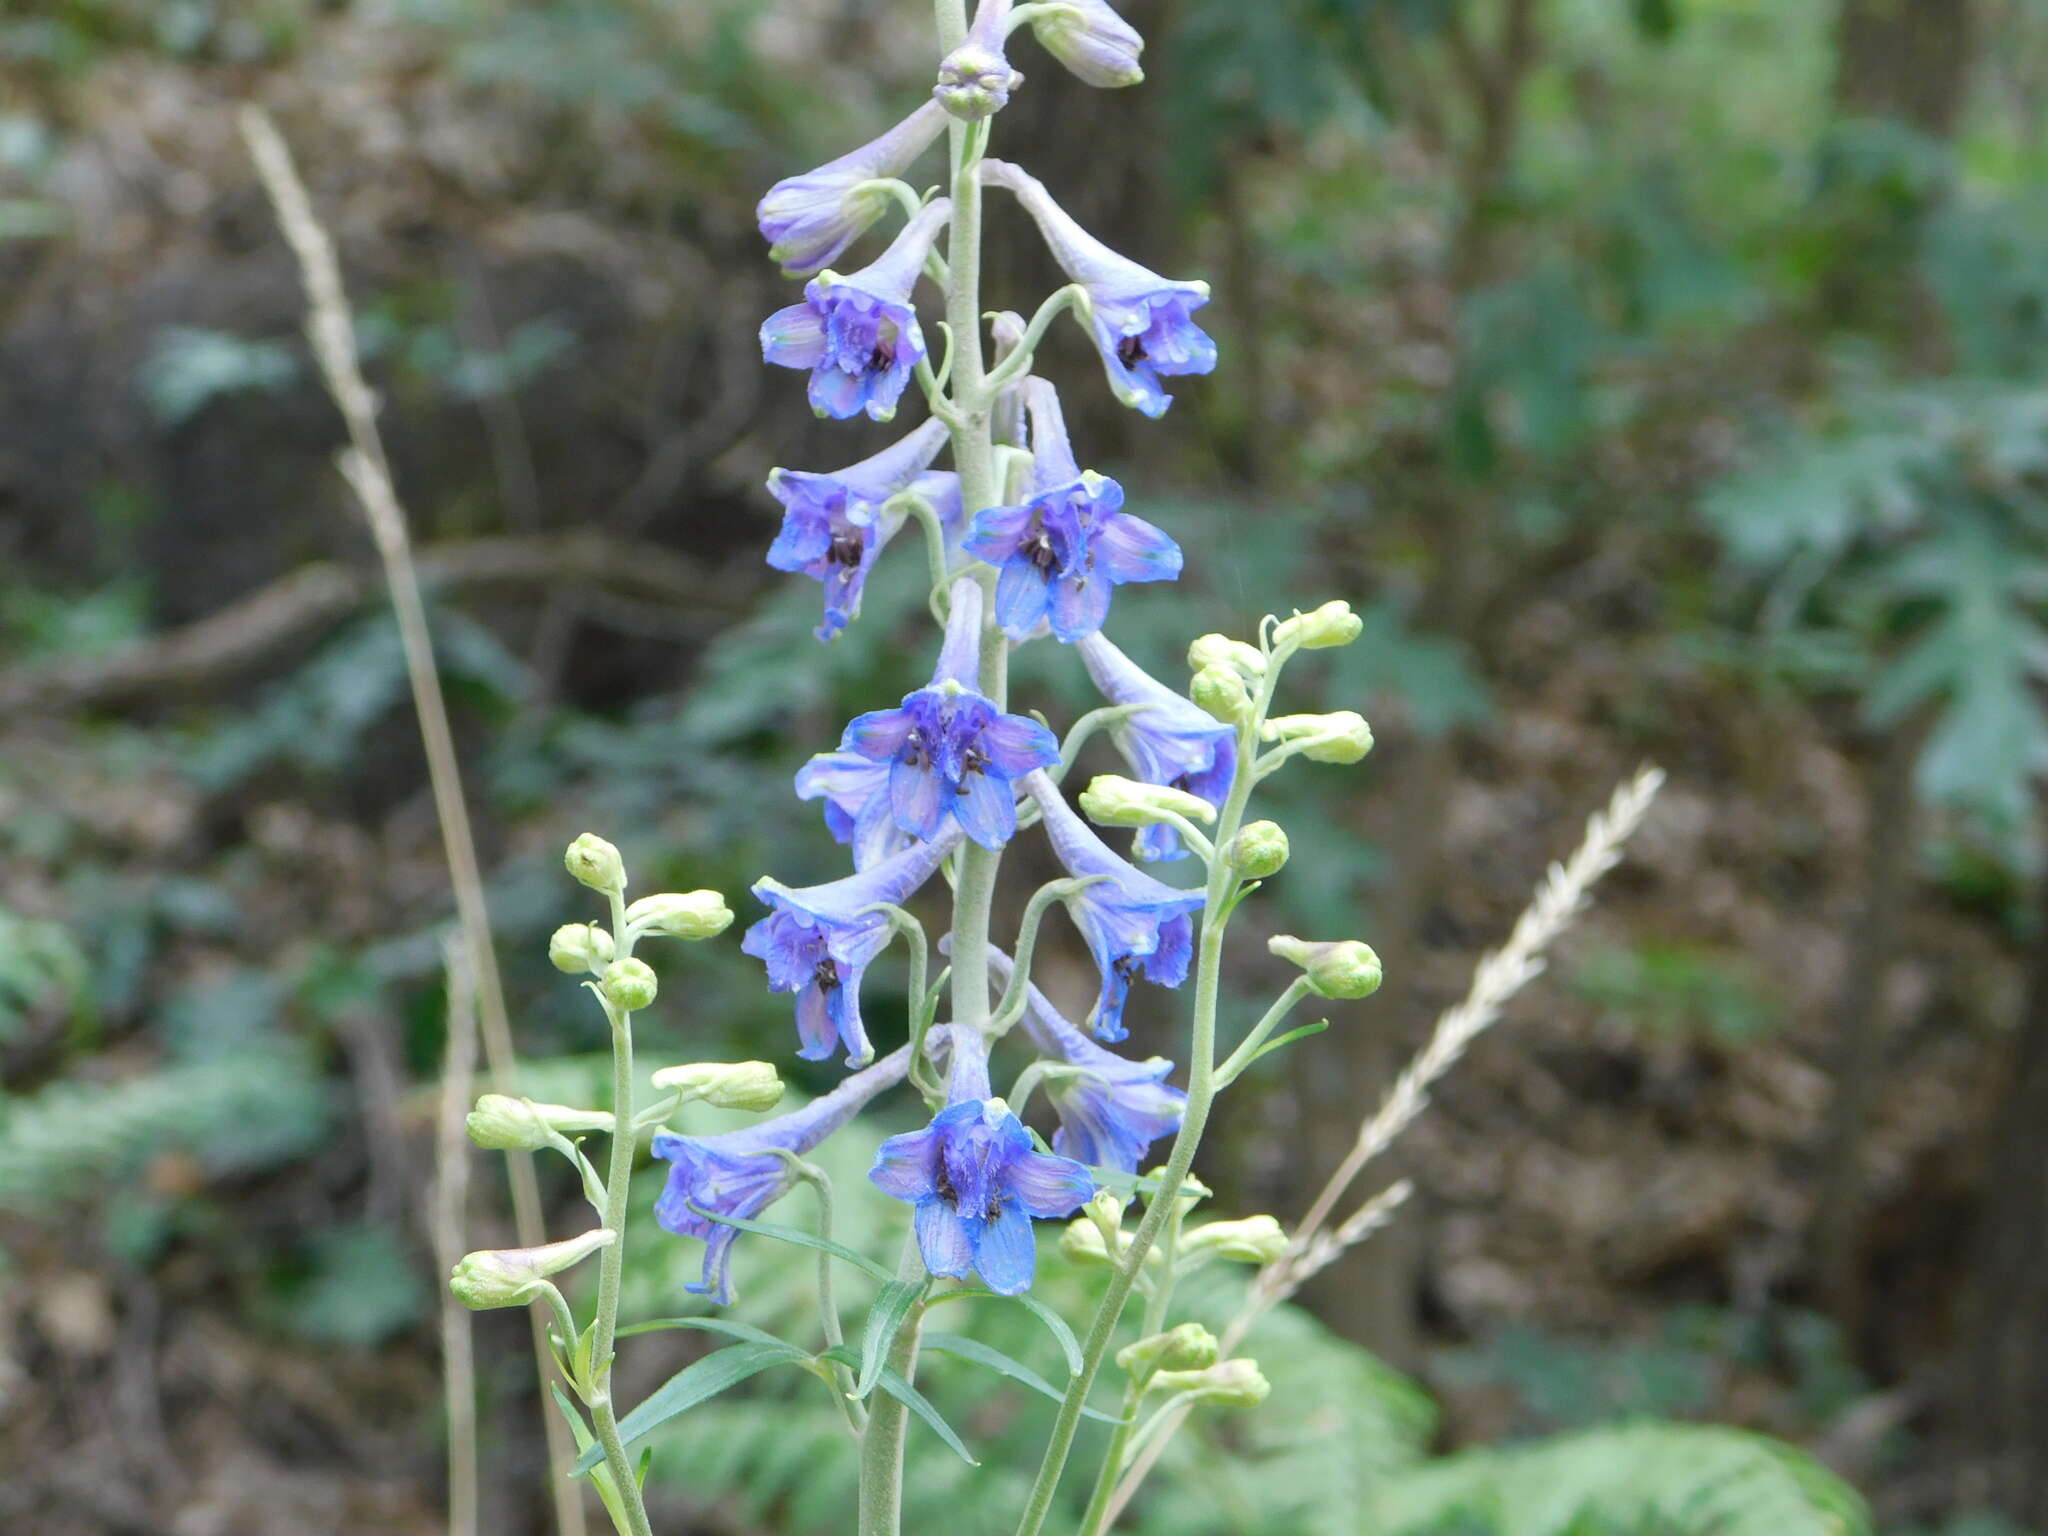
(451, 1200)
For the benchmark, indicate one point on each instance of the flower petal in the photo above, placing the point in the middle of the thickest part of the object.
(946, 1240)
(793, 337)
(1049, 1186)
(1007, 1256)
(905, 1165)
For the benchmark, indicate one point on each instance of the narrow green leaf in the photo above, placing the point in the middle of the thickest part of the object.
(694, 1384)
(732, 1330)
(801, 1238)
(893, 1383)
(1055, 1324)
(962, 1348)
(892, 1305)
(1287, 1039)
(607, 1490)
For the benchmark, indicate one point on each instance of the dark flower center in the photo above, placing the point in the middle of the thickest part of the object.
(1131, 351)
(884, 355)
(826, 974)
(847, 549)
(1126, 966)
(914, 753)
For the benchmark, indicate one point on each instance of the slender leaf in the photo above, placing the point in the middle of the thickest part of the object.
(607, 1489)
(746, 1332)
(962, 1348)
(692, 1385)
(893, 1383)
(885, 1318)
(801, 1238)
(1287, 1039)
(1055, 1324)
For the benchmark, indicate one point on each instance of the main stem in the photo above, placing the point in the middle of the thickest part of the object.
(1194, 1120)
(881, 1452)
(612, 1265)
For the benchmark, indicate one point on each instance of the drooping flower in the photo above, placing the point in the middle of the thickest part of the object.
(833, 526)
(1063, 552)
(737, 1173)
(1141, 320)
(1134, 925)
(951, 754)
(976, 1180)
(1111, 1108)
(819, 940)
(858, 334)
(1091, 40)
(1170, 741)
(809, 220)
(856, 796)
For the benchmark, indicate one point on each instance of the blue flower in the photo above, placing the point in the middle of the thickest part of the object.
(1134, 925)
(738, 1174)
(977, 1182)
(951, 754)
(1112, 1108)
(809, 220)
(1142, 321)
(820, 939)
(858, 334)
(1062, 553)
(833, 527)
(856, 796)
(1170, 741)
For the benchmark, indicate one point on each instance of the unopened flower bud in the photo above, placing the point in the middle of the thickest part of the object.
(1111, 800)
(511, 1277)
(1259, 850)
(505, 1124)
(629, 983)
(1342, 737)
(580, 947)
(975, 81)
(751, 1085)
(1232, 1384)
(596, 863)
(1091, 40)
(1332, 624)
(1190, 1347)
(1221, 691)
(692, 915)
(1222, 651)
(1346, 968)
(1082, 1244)
(1252, 1240)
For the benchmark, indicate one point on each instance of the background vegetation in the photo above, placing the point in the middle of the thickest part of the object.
(1663, 377)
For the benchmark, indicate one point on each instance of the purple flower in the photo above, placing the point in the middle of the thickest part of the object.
(1134, 925)
(819, 940)
(738, 1174)
(856, 796)
(977, 1181)
(1111, 1108)
(833, 527)
(951, 754)
(1170, 741)
(1141, 320)
(1091, 40)
(809, 220)
(1065, 549)
(858, 334)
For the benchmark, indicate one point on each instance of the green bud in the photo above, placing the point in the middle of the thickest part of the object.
(1345, 968)
(1221, 691)
(1232, 1384)
(505, 1124)
(579, 948)
(1259, 850)
(1083, 1245)
(1332, 624)
(511, 1277)
(975, 81)
(1222, 651)
(1111, 800)
(596, 863)
(1190, 1347)
(629, 983)
(750, 1085)
(1252, 1240)
(1343, 737)
(695, 915)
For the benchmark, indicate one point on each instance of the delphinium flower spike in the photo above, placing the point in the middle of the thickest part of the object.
(951, 755)
(858, 334)
(820, 939)
(1170, 741)
(809, 220)
(1141, 321)
(976, 1180)
(834, 525)
(738, 1173)
(1063, 552)
(1134, 925)
(1111, 1108)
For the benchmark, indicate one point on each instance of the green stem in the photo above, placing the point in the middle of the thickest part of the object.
(1119, 1451)
(612, 1264)
(881, 1445)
